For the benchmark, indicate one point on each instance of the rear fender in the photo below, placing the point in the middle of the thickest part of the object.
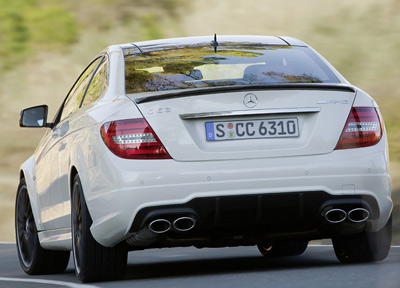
(86, 150)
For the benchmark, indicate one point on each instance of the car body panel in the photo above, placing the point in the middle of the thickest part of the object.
(57, 239)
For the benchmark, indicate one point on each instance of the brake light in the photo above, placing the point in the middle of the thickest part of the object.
(363, 128)
(133, 139)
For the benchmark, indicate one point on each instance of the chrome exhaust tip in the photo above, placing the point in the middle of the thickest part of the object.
(184, 224)
(358, 215)
(335, 216)
(159, 226)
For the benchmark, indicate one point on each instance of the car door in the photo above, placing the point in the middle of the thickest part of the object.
(51, 164)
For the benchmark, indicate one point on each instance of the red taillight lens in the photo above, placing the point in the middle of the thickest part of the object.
(133, 139)
(363, 128)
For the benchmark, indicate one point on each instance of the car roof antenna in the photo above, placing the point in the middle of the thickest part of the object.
(215, 43)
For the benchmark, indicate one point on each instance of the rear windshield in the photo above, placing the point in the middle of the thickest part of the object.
(232, 64)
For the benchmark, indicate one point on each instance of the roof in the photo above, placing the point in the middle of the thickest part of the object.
(147, 46)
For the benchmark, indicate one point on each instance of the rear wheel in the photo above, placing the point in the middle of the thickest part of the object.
(280, 249)
(93, 262)
(364, 246)
(33, 258)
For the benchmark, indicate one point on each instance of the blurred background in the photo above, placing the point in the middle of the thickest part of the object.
(45, 45)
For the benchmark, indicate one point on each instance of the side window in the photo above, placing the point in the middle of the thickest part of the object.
(73, 101)
(98, 84)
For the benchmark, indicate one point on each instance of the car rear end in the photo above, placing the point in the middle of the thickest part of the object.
(238, 142)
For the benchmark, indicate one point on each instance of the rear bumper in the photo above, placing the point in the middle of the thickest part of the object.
(123, 195)
(249, 218)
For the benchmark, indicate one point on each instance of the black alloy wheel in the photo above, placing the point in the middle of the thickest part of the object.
(93, 262)
(77, 228)
(33, 258)
(364, 246)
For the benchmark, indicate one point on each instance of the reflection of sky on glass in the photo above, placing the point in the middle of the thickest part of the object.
(221, 71)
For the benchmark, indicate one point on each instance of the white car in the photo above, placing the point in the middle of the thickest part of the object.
(207, 142)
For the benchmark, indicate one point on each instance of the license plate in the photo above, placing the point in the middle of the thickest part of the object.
(252, 129)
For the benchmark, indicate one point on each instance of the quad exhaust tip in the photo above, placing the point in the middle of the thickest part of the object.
(335, 216)
(184, 224)
(181, 224)
(160, 226)
(356, 215)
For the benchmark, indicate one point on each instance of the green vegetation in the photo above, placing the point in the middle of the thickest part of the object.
(152, 28)
(26, 26)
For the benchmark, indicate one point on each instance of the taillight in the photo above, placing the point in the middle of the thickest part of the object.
(133, 139)
(363, 128)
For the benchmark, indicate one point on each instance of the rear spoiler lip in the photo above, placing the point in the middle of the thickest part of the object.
(228, 89)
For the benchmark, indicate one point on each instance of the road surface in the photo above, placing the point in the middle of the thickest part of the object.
(226, 267)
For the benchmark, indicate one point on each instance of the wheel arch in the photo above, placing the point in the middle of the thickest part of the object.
(72, 175)
(28, 172)
(83, 176)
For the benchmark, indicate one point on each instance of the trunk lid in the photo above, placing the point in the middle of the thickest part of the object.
(284, 122)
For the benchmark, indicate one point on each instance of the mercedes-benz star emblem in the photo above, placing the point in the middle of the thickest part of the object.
(250, 100)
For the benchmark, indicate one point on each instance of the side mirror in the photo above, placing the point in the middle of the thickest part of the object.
(35, 117)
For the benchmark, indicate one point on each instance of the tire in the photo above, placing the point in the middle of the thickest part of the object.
(364, 246)
(93, 262)
(281, 249)
(33, 258)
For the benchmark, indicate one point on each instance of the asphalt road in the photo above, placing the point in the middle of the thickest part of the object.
(227, 267)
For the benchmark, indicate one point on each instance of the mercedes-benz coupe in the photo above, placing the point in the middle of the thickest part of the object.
(207, 142)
